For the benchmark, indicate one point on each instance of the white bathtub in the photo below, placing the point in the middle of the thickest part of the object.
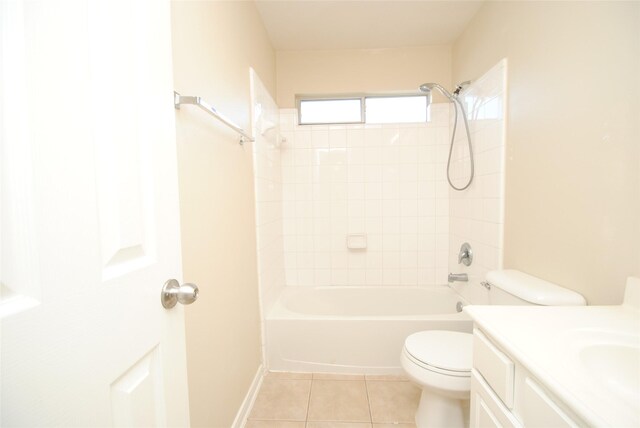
(354, 329)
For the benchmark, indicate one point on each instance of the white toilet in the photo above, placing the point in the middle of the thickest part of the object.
(440, 361)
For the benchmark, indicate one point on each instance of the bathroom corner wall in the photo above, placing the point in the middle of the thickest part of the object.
(214, 45)
(573, 152)
(386, 181)
(477, 213)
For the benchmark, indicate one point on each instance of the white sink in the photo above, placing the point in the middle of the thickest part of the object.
(616, 367)
(606, 359)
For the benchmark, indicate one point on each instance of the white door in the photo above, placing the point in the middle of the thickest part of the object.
(90, 226)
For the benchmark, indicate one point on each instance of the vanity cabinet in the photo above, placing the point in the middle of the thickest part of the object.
(504, 394)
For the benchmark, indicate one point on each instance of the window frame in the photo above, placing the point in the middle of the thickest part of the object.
(301, 98)
(363, 98)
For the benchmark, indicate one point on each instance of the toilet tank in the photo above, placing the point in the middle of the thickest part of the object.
(512, 287)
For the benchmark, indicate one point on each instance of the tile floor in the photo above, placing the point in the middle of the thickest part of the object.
(305, 400)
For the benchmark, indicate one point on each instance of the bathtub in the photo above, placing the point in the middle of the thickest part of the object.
(358, 330)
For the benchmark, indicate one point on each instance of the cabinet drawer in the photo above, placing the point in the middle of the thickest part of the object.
(496, 368)
(539, 410)
(487, 410)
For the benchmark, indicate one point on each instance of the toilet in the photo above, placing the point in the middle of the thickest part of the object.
(440, 362)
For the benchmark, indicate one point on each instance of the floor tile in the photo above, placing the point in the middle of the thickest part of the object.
(396, 378)
(333, 376)
(281, 399)
(337, 400)
(394, 425)
(338, 425)
(288, 375)
(274, 424)
(393, 402)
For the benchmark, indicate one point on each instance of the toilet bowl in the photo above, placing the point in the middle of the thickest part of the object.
(440, 361)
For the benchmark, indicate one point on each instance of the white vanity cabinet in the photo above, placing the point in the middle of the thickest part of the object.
(556, 366)
(504, 394)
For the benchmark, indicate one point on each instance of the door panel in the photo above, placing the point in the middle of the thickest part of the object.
(140, 388)
(89, 181)
(121, 85)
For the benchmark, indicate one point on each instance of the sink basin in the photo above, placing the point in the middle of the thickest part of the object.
(615, 366)
(607, 360)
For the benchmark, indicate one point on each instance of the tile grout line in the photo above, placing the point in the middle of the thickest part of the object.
(366, 387)
(306, 417)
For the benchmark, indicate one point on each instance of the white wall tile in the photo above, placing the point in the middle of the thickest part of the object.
(374, 276)
(357, 277)
(408, 154)
(306, 277)
(390, 260)
(375, 241)
(355, 137)
(426, 276)
(476, 214)
(322, 277)
(302, 138)
(372, 173)
(356, 259)
(337, 138)
(409, 277)
(409, 260)
(408, 190)
(390, 155)
(373, 179)
(390, 276)
(339, 277)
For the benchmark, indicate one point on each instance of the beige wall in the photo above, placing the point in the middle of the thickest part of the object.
(360, 71)
(573, 142)
(214, 44)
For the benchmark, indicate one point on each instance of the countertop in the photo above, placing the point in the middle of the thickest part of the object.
(547, 341)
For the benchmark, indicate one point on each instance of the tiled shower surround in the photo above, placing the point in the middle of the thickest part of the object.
(388, 182)
(384, 181)
(476, 215)
(267, 173)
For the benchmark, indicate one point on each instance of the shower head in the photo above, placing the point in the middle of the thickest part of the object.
(428, 87)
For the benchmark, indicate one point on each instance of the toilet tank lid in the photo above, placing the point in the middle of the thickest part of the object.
(534, 290)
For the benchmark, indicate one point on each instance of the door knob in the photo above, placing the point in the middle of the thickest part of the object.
(173, 292)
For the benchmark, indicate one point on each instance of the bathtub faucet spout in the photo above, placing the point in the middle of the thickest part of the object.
(458, 277)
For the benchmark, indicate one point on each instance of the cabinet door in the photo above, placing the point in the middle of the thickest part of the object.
(495, 366)
(539, 410)
(483, 417)
(487, 410)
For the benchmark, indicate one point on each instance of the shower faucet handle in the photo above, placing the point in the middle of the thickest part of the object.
(465, 256)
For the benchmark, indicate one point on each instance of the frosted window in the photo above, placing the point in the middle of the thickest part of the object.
(331, 111)
(396, 109)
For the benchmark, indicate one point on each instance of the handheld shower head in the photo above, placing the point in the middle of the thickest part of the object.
(428, 87)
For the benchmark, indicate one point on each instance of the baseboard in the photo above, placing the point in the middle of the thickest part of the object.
(243, 413)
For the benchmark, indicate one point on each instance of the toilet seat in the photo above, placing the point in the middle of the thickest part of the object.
(445, 352)
(425, 366)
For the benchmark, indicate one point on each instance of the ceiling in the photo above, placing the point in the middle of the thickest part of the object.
(358, 24)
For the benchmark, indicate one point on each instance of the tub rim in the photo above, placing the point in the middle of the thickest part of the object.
(279, 310)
